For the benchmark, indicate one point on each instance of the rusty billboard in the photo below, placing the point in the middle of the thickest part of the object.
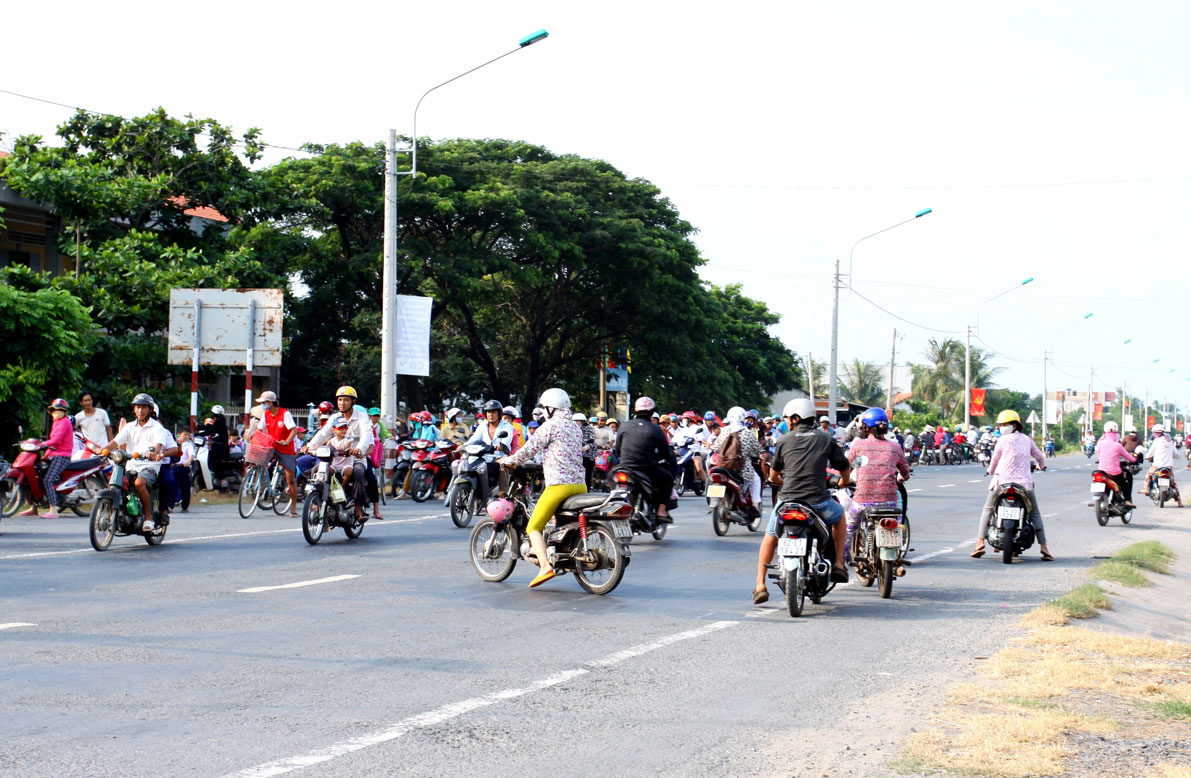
(225, 319)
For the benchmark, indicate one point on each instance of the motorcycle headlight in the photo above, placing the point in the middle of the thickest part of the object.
(322, 452)
(118, 456)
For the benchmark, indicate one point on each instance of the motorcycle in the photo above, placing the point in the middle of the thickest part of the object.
(472, 486)
(603, 465)
(117, 509)
(644, 520)
(684, 458)
(433, 472)
(1089, 449)
(878, 544)
(805, 549)
(730, 504)
(590, 538)
(1162, 487)
(1012, 530)
(326, 505)
(201, 477)
(24, 482)
(1107, 498)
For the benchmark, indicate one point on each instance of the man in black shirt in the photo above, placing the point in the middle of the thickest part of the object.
(640, 445)
(799, 466)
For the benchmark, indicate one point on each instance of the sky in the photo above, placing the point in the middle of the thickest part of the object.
(1050, 141)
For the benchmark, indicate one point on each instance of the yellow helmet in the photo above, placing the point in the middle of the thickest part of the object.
(346, 391)
(1007, 416)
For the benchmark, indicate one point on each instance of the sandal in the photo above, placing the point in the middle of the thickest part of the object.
(977, 553)
(760, 596)
(1047, 557)
(542, 578)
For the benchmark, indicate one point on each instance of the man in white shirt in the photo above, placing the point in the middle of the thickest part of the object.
(1161, 455)
(93, 422)
(359, 429)
(144, 436)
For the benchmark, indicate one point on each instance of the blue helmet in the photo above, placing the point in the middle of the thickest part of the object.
(874, 417)
(709, 416)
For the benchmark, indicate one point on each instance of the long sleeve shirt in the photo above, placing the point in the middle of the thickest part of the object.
(1011, 460)
(61, 440)
(1111, 452)
(561, 442)
(1161, 453)
(359, 427)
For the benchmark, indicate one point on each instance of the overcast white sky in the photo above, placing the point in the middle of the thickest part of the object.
(783, 131)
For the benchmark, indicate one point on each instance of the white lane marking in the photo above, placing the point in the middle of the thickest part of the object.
(975, 480)
(943, 551)
(911, 491)
(946, 486)
(1048, 515)
(383, 523)
(297, 585)
(12, 624)
(456, 709)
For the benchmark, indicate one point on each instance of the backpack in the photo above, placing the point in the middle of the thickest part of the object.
(731, 455)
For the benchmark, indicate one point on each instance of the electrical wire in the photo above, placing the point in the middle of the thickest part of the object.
(922, 188)
(894, 315)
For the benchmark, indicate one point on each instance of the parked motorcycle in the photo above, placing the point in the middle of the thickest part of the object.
(1011, 530)
(590, 538)
(688, 478)
(326, 505)
(805, 549)
(117, 509)
(433, 472)
(1107, 498)
(730, 504)
(632, 487)
(475, 481)
(1162, 487)
(24, 481)
(201, 477)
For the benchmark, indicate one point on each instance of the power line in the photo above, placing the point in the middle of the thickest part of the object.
(1022, 185)
(899, 318)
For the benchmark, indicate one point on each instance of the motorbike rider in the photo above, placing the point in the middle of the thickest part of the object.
(1161, 455)
(605, 435)
(360, 430)
(218, 450)
(641, 446)
(280, 425)
(487, 433)
(1110, 452)
(588, 448)
(750, 448)
(560, 442)
(60, 445)
(800, 461)
(307, 462)
(877, 480)
(144, 436)
(454, 430)
(1010, 463)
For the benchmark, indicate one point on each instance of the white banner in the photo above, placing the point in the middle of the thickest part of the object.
(413, 335)
(1128, 422)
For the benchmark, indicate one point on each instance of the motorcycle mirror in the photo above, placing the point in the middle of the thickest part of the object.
(860, 461)
(502, 434)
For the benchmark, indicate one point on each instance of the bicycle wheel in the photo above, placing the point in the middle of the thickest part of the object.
(266, 496)
(250, 489)
(283, 501)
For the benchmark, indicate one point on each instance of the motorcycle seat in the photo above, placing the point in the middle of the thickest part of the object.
(580, 501)
(730, 473)
(530, 467)
(83, 464)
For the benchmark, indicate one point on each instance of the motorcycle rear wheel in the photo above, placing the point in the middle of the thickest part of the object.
(103, 523)
(312, 518)
(862, 540)
(719, 519)
(460, 501)
(94, 484)
(354, 528)
(501, 559)
(601, 542)
(421, 485)
(755, 523)
(1101, 514)
(155, 537)
(1007, 551)
(796, 589)
(660, 531)
(1127, 517)
(885, 573)
(14, 498)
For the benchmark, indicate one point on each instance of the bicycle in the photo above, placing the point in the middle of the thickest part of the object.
(264, 483)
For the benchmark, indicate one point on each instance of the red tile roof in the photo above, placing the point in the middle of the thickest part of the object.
(201, 211)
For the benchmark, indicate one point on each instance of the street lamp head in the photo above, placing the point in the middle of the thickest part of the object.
(922, 213)
(1028, 280)
(1127, 341)
(533, 38)
(1088, 316)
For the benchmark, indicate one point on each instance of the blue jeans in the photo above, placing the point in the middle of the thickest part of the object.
(829, 511)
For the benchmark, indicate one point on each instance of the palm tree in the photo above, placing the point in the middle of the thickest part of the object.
(818, 372)
(941, 380)
(863, 384)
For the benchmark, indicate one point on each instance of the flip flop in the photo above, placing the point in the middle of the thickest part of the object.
(977, 553)
(542, 578)
(760, 596)
(1047, 557)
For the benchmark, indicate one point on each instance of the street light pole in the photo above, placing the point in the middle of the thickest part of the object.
(833, 379)
(388, 355)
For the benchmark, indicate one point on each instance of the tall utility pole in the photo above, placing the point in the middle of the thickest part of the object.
(810, 375)
(1091, 399)
(832, 380)
(892, 357)
(1044, 394)
(1124, 402)
(967, 377)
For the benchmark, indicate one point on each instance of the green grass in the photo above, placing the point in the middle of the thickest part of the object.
(1173, 709)
(1083, 602)
(1033, 703)
(1119, 572)
(1148, 555)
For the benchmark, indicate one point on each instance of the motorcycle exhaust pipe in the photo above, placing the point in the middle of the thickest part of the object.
(822, 568)
(900, 571)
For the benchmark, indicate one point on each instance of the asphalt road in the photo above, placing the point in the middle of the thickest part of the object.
(144, 661)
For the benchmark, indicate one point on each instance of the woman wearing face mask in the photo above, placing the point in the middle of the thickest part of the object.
(1011, 464)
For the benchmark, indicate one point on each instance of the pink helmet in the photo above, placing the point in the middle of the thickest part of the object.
(500, 510)
(644, 404)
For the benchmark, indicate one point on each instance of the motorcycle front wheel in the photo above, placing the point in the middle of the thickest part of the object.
(604, 547)
(719, 519)
(460, 502)
(1127, 517)
(421, 486)
(103, 523)
(312, 518)
(493, 551)
(796, 589)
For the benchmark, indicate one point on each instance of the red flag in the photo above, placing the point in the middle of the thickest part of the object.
(1179, 425)
(977, 407)
(1149, 421)
(1098, 414)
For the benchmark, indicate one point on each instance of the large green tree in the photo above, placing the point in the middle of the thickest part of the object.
(940, 380)
(863, 384)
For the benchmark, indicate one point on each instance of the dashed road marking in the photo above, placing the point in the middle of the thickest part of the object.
(297, 585)
(975, 480)
(15, 624)
(946, 486)
(911, 491)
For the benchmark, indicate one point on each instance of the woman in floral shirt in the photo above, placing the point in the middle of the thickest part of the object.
(560, 441)
(1011, 464)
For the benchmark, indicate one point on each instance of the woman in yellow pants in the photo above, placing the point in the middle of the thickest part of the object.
(561, 442)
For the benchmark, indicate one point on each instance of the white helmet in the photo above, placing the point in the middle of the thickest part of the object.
(801, 407)
(555, 398)
(218, 410)
(735, 415)
(453, 412)
(578, 417)
(1158, 428)
(1111, 426)
(644, 404)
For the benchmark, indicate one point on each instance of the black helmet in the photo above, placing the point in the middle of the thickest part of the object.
(493, 405)
(143, 399)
